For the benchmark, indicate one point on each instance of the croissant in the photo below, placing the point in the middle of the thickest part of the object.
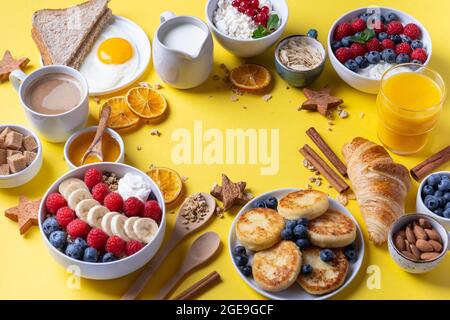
(380, 185)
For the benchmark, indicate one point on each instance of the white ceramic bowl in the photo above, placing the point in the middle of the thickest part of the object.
(251, 47)
(111, 132)
(20, 178)
(420, 205)
(408, 264)
(119, 268)
(295, 292)
(357, 81)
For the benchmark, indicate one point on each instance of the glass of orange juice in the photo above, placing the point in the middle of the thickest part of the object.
(409, 104)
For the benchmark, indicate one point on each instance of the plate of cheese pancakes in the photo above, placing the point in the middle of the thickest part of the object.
(296, 244)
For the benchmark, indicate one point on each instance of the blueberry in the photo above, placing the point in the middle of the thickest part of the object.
(405, 39)
(312, 33)
(300, 231)
(358, 34)
(241, 260)
(439, 212)
(444, 185)
(290, 224)
(427, 190)
(434, 180)
(239, 251)
(447, 197)
(438, 194)
(443, 177)
(303, 221)
(374, 57)
(246, 270)
(383, 36)
(81, 242)
(152, 196)
(346, 42)
(432, 203)
(416, 44)
(260, 204)
(90, 255)
(442, 201)
(50, 225)
(108, 257)
(396, 38)
(303, 243)
(58, 239)
(365, 16)
(390, 17)
(350, 254)
(287, 234)
(272, 203)
(327, 255)
(402, 58)
(362, 62)
(388, 55)
(306, 269)
(352, 65)
(446, 213)
(447, 206)
(351, 246)
(416, 61)
(336, 45)
(74, 251)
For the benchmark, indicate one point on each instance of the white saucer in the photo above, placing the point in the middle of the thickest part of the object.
(295, 292)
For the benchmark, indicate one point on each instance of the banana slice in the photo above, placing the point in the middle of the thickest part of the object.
(117, 226)
(106, 222)
(77, 196)
(95, 215)
(129, 228)
(83, 208)
(145, 229)
(70, 185)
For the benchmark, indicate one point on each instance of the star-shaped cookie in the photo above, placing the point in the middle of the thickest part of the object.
(9, 64)
(26, 213)
(231, 193)
(320, 101)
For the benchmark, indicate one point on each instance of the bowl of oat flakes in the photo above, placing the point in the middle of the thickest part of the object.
(247, 28)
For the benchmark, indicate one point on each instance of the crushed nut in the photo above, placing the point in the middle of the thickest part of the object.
(342, 199)
(138, 148)
(195, 208)
(145, 84)
(267, 97)
(111, 180)
(234, 99)
(155, 132)
(342, 114)
(158, 86)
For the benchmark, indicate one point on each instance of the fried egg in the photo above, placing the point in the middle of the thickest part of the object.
(112, 60)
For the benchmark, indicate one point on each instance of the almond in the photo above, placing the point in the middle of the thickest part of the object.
(429, 255)
(433, 235)
(415, 251)
(424, 246)
(407, 246)
(409, 255)
(424, 223)
(436, 245)
(399, 242)
(410, 235)
(420, 233)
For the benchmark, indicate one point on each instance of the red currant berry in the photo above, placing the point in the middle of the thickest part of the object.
(265, 10)
(249, 12)
(262, 18)
(254, 3)
(235, 3)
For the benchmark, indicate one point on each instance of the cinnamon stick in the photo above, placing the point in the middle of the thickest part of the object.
(333, 178)
(428, 166)
(198, 286)
(326, 150)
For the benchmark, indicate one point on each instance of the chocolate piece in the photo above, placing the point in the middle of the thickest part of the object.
(29, 143)
(29, 157)
(17, 163)
(4, 169)
(14, 140)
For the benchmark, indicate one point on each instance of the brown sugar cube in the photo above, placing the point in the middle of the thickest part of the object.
(17, 163)
(14, 140)
(5, 132)
(2, 143)
(10, 153)
(3, 156)
(4, 169)
(29, 157)
(29, 143)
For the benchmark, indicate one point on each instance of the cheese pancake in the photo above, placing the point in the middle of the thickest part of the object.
(308, 204)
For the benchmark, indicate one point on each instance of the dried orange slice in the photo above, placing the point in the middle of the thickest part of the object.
(147, 103)
(121, 115)
(168, 181)
(250, 77)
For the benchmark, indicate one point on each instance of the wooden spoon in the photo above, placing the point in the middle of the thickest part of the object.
(180, 231)
(201, 250)
(96, 147)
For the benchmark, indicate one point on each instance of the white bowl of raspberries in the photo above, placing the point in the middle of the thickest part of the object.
(366, 42)
(105, 219)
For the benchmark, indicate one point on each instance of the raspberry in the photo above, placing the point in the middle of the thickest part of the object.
(92, 177)
(403, 48)
(115, 245)
(379, 27)
(373, 45)
(132, 247)
(152, 210)
(97, 239)
(343, 54)
(113, 202)
(133, 207)
(388, 44)
(64, 216)
(394, 27)
(412, 30)
(359, 25)
(419, 54)
(78, 229)
(100, 191)
(343, 30)
(54, 202)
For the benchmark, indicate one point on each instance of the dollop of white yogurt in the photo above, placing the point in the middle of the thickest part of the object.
(375, 71)
(133, 185)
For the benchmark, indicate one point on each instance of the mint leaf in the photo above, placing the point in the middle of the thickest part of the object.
(260, 32)
(365, 36)
(273, 22)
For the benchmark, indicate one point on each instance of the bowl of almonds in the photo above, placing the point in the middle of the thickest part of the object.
(418, 243)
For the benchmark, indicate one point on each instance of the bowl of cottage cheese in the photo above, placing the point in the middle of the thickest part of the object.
(247, 32)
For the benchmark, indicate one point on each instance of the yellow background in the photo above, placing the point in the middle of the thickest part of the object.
(28, 271)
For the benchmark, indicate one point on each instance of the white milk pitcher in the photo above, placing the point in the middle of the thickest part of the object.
(182, 51)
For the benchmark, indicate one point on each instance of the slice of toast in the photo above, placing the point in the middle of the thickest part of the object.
(61, 33)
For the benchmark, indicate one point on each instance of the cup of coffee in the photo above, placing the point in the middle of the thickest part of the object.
(55, 99)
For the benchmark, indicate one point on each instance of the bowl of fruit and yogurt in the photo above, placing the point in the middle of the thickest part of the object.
(247, 28)
(365, 43)
(108, 219)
